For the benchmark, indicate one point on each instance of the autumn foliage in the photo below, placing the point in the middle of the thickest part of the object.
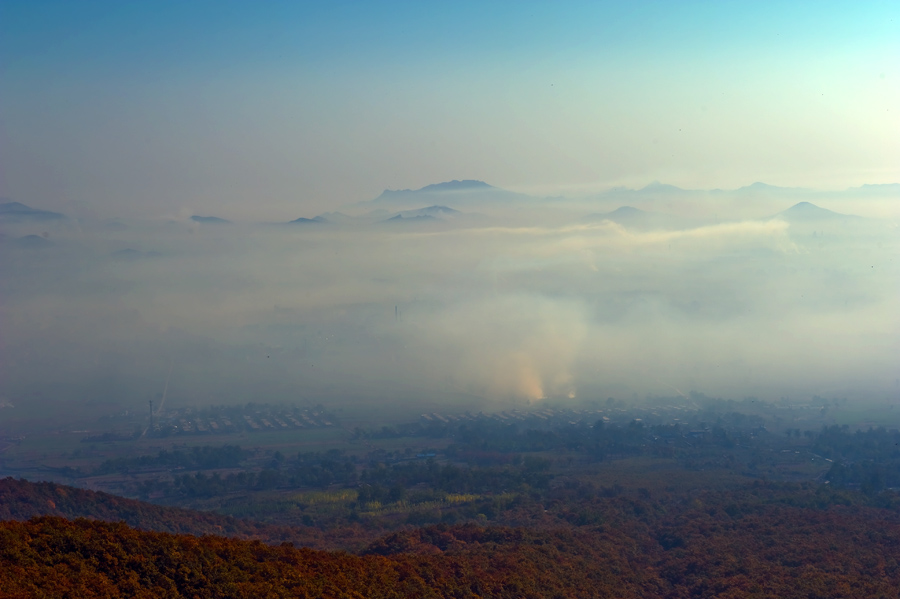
(574, 532)
(773, 550)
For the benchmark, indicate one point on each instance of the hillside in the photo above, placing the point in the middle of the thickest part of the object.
(703, 551)
(21, 500)
(603, 511)
(18, 212)
(51, 557)
(803, 212)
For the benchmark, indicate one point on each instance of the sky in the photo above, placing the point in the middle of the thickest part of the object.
(267, 111)
(145, 113)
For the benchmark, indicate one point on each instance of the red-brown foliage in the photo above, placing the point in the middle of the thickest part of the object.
(775, 551)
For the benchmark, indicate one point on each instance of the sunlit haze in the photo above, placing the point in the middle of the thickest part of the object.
(495, 299)
(266, 112)
(471, 202)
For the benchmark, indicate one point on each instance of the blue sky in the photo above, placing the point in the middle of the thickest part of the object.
(286, 108)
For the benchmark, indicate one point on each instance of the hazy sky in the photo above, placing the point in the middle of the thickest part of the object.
(274, 110)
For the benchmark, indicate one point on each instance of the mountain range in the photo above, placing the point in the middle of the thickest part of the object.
(623, 544)
(635, 218)
(454, 200)
(454, 193)
(804, 212)
(210, 220)
(18, 212)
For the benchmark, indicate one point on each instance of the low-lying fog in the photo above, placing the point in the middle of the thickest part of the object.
(501, 298)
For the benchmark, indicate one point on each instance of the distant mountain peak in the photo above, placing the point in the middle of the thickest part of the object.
(660, 187)
(631, 217)
(454, 185)
(304, 221)
(621, 215)
(807, 211)
(212, 220)
(467, 192)
(399, 218)
(32, 242)
(878, 189)
(457, 185)
(759, 186)
(432, 211)
(7, 207)
(19, 211)
(623, 210)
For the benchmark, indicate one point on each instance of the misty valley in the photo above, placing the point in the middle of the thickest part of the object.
(449, 300)
(485, 296)
(456, 391)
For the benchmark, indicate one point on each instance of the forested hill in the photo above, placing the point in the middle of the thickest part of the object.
(21, 500)
(53, 557)
(772, 551)
(696, 521)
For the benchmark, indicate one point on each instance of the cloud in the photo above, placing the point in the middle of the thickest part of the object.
(500, 313)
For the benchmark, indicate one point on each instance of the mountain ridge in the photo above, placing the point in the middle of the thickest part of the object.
(18, 211)
(807, 211)
(211, 220)
(455, 193)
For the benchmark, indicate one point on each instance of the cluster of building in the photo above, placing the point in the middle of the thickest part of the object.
(231, 420)
(546, 415)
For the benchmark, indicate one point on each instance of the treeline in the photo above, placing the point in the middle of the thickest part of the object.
(599, 441)
(868, 460)
(722, 429)
(838, 442)
(484, 457)
(523, 474)
(747, 544)
(50, 557)
(305, 470)
(21, 500)
(490, 457)
(195, 458)
(379, 482)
